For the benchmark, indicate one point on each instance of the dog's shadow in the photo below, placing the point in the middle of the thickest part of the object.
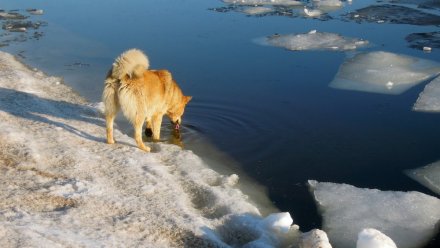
(32, 107)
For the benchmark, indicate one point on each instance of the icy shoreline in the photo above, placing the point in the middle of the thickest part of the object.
(62, 185)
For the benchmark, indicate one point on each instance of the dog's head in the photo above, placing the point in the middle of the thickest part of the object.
(175, 113)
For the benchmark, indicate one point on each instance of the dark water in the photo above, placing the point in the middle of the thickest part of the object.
(269, 109)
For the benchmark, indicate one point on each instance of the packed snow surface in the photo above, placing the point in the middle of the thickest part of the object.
(383, 72)
(429, 99)
(408, 218)
(314, 40)
(429, 176)
(61, 185)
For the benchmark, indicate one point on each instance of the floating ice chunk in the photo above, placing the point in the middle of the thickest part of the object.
(312, 12)
(314, 40)
(429, 99)
(383, 72)
(327, 3)
(314, 239)
(409, 218)
(279, 222)
(264, 2)
(257, 10)
(372, 238)
(429, 176)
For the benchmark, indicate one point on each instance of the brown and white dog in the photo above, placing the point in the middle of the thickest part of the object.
(142, 94)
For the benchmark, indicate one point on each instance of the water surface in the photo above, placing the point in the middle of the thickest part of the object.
(268, 110)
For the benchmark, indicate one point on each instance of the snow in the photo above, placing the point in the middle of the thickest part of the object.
(314, 239)
(383, 72)
(429, 176)
(61, 185)
(314, 40)
(429, 98)
(408, 218)
(372, 238)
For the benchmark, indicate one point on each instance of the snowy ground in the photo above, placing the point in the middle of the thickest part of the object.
(61, 185)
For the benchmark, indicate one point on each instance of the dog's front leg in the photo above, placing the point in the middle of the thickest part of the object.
(157, 122)
(138, 123)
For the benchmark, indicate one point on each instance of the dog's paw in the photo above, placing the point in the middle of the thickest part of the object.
(110, 141)
(145, 148)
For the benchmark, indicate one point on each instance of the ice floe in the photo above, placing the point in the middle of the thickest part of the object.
(61, 185)
(429, 176)
(383, 72)
(314, 40)
(264, 2)
(257, 10)
(429, 98)
(410, 219)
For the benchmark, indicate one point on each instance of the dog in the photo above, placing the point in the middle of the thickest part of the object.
(143, 95)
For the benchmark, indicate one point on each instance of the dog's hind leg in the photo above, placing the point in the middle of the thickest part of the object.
(109, 119)
(138, 123)
(157, 122)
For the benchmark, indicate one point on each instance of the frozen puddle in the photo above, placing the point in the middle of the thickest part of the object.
(408, 218)
(314, 40)
(383, 72)
(429, 176)
(61, 185)
(429, 99)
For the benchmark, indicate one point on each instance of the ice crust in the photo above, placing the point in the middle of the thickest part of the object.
(429, 176)
(314, 40)
(429, 98)
(383, 72)
(61, 185)
(408, 218)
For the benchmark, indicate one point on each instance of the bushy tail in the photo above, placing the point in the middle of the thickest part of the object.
(131, 63)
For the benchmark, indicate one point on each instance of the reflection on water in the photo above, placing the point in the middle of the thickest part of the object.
(265, 111)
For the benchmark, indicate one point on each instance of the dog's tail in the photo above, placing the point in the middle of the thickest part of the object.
(131, 64)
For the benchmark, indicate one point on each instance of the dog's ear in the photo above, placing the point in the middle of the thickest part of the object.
(187, 99)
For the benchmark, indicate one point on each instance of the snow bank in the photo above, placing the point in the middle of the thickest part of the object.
(383, 72)
(429, 99)
(429, 176)
(61, 185)
(408, 218)
(314, 40)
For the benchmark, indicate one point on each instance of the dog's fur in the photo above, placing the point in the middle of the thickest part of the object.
(142, 94)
